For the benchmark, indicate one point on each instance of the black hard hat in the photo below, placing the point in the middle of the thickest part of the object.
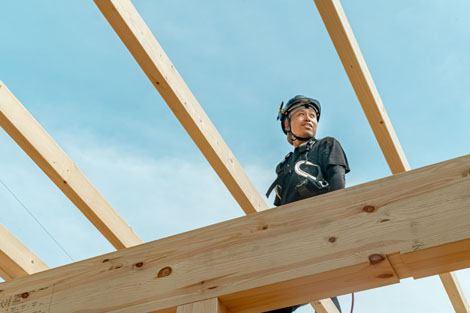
(294, 103)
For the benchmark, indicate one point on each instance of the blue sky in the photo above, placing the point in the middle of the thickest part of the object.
(62, 60)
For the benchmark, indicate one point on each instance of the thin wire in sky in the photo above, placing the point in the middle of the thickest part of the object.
(37, 221)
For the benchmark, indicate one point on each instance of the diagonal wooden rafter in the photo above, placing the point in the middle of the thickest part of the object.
(355, 66)
(413, 224)
(148, 53)
(44, 151)
(455, 292)
(142, 44)
(15, 259)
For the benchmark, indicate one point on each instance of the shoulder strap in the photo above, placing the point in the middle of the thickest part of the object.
(281, 172)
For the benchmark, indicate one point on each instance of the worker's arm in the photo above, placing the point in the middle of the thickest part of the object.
(336, 177)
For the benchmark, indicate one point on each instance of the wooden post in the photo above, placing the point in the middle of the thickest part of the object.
(212, 305)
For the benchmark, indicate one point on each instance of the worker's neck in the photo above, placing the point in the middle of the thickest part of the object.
(298, 142)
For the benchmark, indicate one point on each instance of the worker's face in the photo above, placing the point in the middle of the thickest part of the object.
(303, 122)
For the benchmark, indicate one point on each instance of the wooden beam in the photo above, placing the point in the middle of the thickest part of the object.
(135, 34)
(212, 305)
(411, 224)
(15, 259)
(36, 142)
(355, 66)
(455, 292)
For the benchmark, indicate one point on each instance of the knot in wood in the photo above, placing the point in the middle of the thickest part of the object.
(24, 295)
(376, 258)
(264, 227)
(166, 271)
(332, 239)
(139, 264)
(369, 209)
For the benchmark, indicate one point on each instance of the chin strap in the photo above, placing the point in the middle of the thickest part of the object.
(295, 137)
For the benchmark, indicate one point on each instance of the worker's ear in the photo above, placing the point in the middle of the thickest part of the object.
(286, 124)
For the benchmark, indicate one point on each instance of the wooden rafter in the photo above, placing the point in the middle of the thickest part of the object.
(142, 44)
(15, 259)
(324, 306)
(412, 224)
(455, 292)
(43, 150)
(355, 66)
(151, 57)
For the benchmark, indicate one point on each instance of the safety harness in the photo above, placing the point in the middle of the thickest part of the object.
(305, 186)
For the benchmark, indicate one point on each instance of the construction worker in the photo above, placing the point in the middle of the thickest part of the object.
(316, 166)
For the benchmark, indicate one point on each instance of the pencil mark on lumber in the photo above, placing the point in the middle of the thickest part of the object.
(417, 245)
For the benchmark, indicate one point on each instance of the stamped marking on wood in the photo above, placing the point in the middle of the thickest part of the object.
(35, 301)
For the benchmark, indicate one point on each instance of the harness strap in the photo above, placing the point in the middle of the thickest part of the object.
(273, 185)
(281, 172)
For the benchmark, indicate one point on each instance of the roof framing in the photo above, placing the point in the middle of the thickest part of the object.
(52, 160)
(142, 44)
(15, 259)
(355, 66)
(412, 224)
(437, 257)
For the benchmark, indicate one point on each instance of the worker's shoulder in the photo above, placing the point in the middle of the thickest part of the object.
(280, 167)
(328, 141)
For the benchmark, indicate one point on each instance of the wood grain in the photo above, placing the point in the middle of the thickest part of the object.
(355, 66)
(361, 80)
(205, 306)
(15, 259)
(279, 257)
(52, 160)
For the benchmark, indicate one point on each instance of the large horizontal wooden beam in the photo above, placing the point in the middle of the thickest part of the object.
(44, 151)
(16, 260)
(411, 224)
(135, 34)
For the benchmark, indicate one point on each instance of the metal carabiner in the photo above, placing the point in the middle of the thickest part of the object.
(320, 184)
